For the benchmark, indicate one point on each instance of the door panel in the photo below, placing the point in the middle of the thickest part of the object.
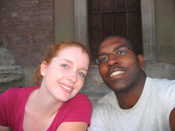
(107, 4)
(114, 17)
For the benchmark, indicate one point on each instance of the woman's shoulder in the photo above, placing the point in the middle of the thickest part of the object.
(80, 100)
(80, 97)
(79, 108)
(17, 92)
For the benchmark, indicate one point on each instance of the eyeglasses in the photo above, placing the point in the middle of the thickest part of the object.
(104, 58)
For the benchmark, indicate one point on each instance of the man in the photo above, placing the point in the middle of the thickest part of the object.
(137, 102)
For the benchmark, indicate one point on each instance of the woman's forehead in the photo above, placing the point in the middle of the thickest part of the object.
(70, 49)
(73, 54)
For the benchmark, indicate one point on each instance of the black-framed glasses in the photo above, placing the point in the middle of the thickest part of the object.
(104, 57)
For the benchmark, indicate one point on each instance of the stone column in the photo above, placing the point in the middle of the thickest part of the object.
(80, 21)
(148, 30)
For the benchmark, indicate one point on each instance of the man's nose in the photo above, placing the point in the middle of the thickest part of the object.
(112, 59)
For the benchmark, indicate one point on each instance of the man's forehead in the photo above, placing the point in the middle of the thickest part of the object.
(113, 41)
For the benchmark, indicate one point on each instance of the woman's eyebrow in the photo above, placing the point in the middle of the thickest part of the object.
(67, 60)
(58, 60)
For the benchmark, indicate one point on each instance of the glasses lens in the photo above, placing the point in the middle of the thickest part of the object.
(102, 59)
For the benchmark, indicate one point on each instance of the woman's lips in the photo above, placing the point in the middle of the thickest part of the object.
(66, 88)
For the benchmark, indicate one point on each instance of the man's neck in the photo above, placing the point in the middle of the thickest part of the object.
(127, 99)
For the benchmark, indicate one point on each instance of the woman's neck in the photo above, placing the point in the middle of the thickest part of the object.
(40, 102)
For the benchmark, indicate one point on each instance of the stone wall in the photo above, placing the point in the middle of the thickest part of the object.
(26, 27)
(94, 86)
(11, 75)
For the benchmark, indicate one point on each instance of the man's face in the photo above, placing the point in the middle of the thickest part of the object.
(119, 66)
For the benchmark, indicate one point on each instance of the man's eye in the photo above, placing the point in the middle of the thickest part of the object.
(82, 75)
(122, 52)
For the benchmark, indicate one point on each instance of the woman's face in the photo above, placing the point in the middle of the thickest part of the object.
(64, 76)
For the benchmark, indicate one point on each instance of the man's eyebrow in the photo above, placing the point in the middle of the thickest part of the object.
(101, 54)
(116, 48)
(121, 46)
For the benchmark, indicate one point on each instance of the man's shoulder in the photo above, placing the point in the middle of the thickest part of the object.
(107, 98)
(162, 89)
(106, 103)
(162, 85)
(158, 81)
(103, 111)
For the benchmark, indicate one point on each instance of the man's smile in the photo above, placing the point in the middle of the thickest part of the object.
(116, 73)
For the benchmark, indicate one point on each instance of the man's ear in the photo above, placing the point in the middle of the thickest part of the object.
(43, 68)
(141, 60)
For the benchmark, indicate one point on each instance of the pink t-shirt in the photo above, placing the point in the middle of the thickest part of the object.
(12, 106)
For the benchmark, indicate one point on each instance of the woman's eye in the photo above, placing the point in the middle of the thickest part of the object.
(82, 75)
(64, 66)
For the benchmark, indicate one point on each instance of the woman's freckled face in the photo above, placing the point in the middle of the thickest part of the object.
(64, 76)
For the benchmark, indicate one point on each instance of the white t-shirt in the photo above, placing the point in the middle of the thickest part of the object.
(151, 112)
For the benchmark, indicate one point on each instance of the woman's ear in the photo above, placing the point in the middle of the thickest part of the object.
(141, 60)
(43, 68)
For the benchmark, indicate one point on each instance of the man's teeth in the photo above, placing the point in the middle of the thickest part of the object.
(117, 73)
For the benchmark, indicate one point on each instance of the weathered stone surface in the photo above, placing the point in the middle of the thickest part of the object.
(27, 27)
(160, 70)
(11, 75)
(94, 86)
(5, 57)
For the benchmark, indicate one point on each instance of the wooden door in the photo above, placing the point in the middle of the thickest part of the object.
(114, 17)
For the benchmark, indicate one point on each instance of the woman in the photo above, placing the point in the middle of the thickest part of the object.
(55, 105)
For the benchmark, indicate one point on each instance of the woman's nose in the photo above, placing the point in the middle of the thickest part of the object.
(72, 77)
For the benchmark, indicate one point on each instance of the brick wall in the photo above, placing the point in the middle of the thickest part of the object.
(26, 28)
